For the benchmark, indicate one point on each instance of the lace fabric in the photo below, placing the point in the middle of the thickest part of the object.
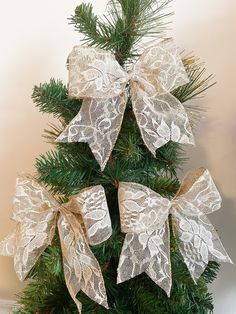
(37, 213)
(97, 78)
(144, 219)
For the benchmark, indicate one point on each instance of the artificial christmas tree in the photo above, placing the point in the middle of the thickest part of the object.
(111, 182)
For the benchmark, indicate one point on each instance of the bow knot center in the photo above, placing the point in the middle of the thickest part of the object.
(134, 76)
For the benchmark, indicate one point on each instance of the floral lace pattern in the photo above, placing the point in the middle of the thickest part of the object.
(199, 242)
(143, 215)
(96, 218)
(98, 123)
(37, 213)
(96, 77)
(81, 269)
(144, 219)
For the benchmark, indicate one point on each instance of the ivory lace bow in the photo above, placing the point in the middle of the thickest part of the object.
(97, 78)
(144, 219)
(37, 213)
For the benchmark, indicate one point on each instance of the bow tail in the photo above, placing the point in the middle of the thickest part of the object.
(8, 245)
(98, 123)
(82, 271)
(160, 116)
(199, 243)
(147, 252)
(70, 277)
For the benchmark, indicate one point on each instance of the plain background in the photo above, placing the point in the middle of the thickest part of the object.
(35, 42)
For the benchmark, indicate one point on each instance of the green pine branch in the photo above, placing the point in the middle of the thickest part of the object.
(198, 84)
(53, 98)
(61, 173)
(126, 23)
(87, 23)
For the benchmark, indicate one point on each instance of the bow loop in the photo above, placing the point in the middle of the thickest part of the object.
(198, 194)
(95, 73)
(97, 78)
(31, 203)
(91, 204)
(141, 209)
(162, 64)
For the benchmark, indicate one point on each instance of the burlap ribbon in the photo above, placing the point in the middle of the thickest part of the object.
(144, 219)
(97, 78)
(84, 219)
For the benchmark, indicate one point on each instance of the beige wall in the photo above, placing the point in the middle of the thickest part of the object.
(35, 41)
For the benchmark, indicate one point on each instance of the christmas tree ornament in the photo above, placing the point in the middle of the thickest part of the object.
(96, 77)
(144, 219)
(37, 214)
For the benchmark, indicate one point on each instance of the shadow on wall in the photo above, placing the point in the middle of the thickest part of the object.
(224, 287)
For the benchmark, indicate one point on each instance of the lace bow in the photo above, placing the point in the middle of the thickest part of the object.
(144, 219)
(97, 78)
(37, 213)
